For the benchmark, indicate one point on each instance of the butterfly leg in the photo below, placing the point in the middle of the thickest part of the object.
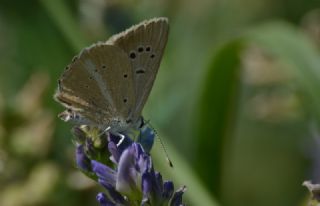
(122, 137)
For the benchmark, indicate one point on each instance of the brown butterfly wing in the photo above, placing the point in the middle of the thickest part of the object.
(144, 44)
(98, 84)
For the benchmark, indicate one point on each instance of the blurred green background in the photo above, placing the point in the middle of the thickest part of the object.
(236, 100)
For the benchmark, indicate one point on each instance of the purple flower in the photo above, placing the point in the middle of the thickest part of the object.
(127, 172)
(134, 181)
(83, 162)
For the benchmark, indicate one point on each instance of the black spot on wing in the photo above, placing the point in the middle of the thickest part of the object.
(140, 49)
(133, 55)
(140, 71)
(74, 59)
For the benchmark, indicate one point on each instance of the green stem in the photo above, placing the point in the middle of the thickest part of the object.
(62, 17)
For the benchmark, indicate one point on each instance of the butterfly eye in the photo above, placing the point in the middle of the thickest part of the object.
(148, 48)
(125, 75)
(103, 66)
(125, 100)
(152, 56)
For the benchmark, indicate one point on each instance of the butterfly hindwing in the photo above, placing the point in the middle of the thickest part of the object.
(98, 84)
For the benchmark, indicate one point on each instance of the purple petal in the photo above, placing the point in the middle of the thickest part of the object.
(112, 147)
(167, 190)
(127, 174)
(116, 196)
(150, 188)
(144, 163)
(177, 197)
(146, 185)
(82, 160)
(141, 158)
(159, 183)
(104, 173)
(138, 150)
(125, 143)
(103, 200)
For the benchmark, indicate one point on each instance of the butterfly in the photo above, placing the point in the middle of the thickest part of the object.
(108, 83)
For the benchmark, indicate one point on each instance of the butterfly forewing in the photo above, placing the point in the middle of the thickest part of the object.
(99, 84)
(144, 45)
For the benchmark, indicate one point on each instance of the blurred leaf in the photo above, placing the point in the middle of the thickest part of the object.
(182, 174)
(292, 46)
(271, 148)
(217, 112)
(65, 22)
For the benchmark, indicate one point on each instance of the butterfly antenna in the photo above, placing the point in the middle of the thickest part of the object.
(162, 145)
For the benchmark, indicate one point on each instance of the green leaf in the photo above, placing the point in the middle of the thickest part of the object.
(292, 46)
(182, 174)
(65, 22)
(216, 112)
